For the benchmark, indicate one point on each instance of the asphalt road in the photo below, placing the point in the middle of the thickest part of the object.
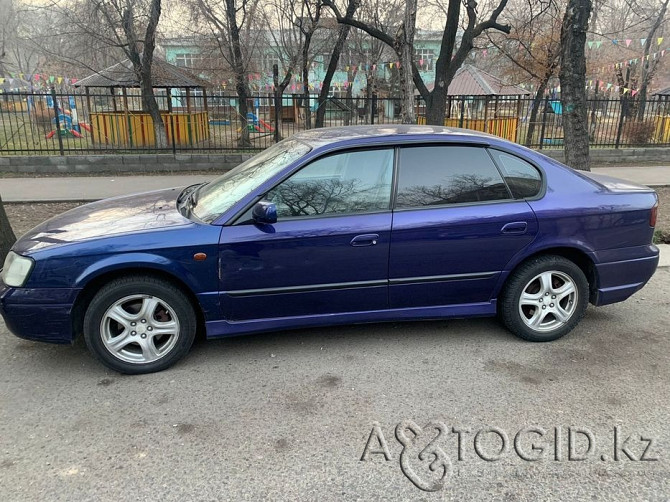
(286, 416)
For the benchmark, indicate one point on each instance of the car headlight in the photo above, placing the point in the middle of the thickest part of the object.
(16, 269)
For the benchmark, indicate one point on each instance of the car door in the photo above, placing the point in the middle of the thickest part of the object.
(328, 251)
(455, 226)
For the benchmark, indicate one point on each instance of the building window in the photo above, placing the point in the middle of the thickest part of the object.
(424, 59)
(269, 60)
(187, 60)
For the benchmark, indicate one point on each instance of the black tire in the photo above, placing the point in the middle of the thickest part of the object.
(171, 303)
(510, 311)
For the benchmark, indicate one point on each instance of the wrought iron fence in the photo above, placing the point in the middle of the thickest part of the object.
(105, 122)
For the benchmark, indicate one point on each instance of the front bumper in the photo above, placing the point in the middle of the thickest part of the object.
(623, 272)
(40, 314)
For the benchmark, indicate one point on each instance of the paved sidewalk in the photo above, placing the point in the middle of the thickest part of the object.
(75, 188)
(646, 175)
(85, 188)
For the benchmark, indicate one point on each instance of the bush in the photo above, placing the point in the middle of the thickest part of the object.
(661, 237)
(639, 132)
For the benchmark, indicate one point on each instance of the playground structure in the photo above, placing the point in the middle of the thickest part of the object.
(61, 119)
(255, 124)
(66, 121)
(123, 122)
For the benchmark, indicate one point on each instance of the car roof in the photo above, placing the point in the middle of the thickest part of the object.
(392, 133)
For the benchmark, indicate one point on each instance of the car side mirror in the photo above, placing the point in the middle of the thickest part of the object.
(264, 213)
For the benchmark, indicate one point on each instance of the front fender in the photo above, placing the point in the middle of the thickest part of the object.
(139, 260)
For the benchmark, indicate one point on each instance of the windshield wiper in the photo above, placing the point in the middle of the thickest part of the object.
(187, 194)
(186, 191)
(188, 198)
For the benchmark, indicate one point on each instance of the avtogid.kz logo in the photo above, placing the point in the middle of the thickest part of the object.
(425, 462)
(422, 460)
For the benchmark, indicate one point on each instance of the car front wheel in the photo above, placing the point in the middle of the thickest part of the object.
(544, 299)
(139, 325)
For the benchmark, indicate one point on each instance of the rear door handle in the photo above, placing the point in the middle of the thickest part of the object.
(516, 227)
(365, 240)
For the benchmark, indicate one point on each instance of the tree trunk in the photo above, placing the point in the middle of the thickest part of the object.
(342, 35)
(406, 52)
(7, 237)
(351, 76)
(142, 64)
(237, 62)
(368, 97)
(436, 106)
(537, 102)
(150, 106)
(573, 83)
(436, 101)
(244, 140)
(305, 81)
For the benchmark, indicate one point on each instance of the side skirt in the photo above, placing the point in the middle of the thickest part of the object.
(222, 328)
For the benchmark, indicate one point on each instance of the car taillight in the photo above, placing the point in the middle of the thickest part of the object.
(653, 215)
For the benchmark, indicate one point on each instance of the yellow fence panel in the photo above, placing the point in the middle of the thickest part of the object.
(662, 129)
(505, 127)
(137, 129)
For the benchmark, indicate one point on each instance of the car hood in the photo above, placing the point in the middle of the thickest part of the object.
(109, 217)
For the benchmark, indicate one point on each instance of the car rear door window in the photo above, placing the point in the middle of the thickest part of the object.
(343, 183)
(523, 179)
(439, 175)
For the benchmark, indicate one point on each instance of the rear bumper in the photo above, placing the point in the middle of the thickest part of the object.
(619, 279)
(38, 314)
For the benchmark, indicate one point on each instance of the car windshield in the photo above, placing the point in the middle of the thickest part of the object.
(222, 193)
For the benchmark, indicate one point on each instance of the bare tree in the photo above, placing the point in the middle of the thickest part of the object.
(405, 39)
(572, 76)
(125, 27)
(647, 72)
(308, 23)
(534, 47)
(7, 29)
(451, 57)
(284, 42)
(229, 21)
(342, 34)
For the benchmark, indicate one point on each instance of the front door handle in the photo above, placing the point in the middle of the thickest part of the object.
(365, 240)
(516, 227)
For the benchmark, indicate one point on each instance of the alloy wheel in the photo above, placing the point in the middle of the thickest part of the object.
(548, 301)
(139, 329)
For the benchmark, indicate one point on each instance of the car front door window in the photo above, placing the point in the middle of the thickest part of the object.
(344, 183)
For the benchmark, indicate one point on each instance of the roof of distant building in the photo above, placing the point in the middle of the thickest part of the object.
(163, 74)
(471, 81)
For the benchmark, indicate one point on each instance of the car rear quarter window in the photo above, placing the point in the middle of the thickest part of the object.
(523, 179)
(342, 183)
(439, 175)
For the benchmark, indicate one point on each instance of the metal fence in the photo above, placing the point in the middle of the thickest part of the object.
(108, 122)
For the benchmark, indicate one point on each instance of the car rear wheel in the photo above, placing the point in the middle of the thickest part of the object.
(544, 299)
(139, 325)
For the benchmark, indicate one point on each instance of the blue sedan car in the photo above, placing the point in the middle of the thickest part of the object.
(335, 226)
